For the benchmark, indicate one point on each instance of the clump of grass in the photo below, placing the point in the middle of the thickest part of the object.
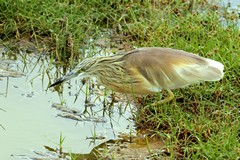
(67, 24)
(203, 120)
(71, 24)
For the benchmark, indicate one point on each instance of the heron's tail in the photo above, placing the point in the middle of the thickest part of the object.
(214, 72)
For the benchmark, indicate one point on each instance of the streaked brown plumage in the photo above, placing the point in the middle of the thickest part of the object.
(148, 70)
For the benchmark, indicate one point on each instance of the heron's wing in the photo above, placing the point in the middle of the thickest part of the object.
(168, 68)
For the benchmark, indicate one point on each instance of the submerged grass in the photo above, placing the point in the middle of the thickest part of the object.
(203, 121)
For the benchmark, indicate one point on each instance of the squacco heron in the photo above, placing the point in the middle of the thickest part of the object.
(146, 71)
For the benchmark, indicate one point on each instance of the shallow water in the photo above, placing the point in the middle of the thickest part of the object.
(233, 6)
(233, 3)
(31, 123)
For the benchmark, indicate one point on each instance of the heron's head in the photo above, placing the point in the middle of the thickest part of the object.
(83, 69)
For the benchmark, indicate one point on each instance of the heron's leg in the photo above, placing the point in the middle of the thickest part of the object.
(165, 100)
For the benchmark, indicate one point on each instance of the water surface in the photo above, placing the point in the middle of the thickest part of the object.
(31, 123)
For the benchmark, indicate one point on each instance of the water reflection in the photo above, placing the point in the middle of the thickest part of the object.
(31, 122)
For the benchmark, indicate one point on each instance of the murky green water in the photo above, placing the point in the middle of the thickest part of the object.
(31, 123)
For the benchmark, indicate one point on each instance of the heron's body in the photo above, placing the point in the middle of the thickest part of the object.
(148, 70)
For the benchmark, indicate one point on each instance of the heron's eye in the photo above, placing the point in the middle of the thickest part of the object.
(80, 70)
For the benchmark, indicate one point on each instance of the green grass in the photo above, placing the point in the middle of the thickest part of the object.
(203, 121)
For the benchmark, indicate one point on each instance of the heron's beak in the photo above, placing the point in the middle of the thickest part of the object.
(65, 78)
